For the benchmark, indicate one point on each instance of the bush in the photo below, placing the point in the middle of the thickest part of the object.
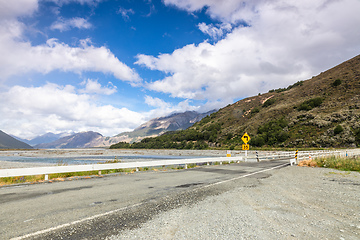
(336, 83)
(257, 141)
(255, 110)
(120, 145)
(357, 136)
(338, 129)
(271, 133)
(310, 104)
(299, 83)
(199, 145)
(269, 102)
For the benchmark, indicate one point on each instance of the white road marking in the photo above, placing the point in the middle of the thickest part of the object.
(74, 222)
(246, 175)
(135, 205)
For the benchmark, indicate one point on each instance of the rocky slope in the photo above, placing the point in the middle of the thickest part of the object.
(158, 126)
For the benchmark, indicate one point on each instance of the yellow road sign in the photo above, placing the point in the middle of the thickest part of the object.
(245, 138)
(245, 147)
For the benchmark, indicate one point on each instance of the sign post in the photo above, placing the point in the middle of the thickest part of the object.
(228, 153)
(245, 138)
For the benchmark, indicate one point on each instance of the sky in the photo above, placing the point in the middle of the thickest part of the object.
(109, 66)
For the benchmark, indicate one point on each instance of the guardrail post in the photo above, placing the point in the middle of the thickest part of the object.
(46, 177)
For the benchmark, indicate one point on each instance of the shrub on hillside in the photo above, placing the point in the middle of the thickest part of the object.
(310, 104)
(120, 145)
(336, 83)
(357, 136)
(255, 110)
(338, 129)
(271, 133)
(269, 102)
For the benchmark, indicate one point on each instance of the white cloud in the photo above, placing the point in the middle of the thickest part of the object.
(18, 56)
(156, 102)
(33, 111)
(66, 24)
(82, 2)
(213, 31)
(162, 108)
(13, 9)
(125, 13)
(93, 86)
(223, 10)
(285, 42)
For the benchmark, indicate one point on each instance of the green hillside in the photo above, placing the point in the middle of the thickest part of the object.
(323, 111)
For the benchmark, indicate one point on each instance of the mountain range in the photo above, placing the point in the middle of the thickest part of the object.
(154, 127)
(45, 138)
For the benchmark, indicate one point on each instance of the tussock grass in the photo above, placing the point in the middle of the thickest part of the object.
(340, 163)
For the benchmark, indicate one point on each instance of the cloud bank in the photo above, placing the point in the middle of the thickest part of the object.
(31, 111)
(18, 56)
(281, 43)
(55, 108)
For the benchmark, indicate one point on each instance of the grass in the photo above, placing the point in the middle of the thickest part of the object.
(339, 163)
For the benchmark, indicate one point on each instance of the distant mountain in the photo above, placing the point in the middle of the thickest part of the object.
(78, 140)
(158, 126)
(45, 138)
(8, 142)
(154, 127)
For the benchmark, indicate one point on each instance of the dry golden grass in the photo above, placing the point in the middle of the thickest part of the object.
(307, 163)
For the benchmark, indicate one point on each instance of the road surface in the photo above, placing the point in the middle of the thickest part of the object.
(99, 207)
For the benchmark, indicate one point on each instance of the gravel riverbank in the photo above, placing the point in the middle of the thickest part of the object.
(292, 203)
(74, 153)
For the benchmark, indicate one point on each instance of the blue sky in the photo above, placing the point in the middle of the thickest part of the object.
(108, 66)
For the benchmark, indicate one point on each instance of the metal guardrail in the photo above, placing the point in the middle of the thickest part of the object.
(15, 172)
(253, 156)
(307, 155)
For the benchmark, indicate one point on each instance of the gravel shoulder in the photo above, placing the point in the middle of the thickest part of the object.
(292, 203)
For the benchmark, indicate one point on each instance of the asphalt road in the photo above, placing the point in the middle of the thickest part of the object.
(100, 207)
